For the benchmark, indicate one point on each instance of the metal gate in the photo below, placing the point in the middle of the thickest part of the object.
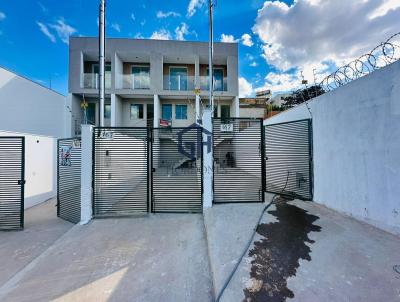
(120, 171)
(69, 179)
(12, 163)
(238, 164)
(288, 151)
(177, 170)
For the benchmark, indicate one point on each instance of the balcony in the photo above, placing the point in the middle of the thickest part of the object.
(179, 83)
(91, 80)
(220, 84)
(135, 81)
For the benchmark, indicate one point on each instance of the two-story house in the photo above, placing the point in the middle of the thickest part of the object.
(148, 81)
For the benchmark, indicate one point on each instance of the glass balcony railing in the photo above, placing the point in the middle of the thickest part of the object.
(135, 81)
(179, 83)
(91, 80)
(220, 84)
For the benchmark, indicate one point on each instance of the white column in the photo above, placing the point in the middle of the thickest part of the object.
(113, 110)
(86, 174)
(236, 106)
(208, 162)
(157, 110)
(198, 109)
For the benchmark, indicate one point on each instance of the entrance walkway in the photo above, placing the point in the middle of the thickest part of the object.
(161, 257)
(19, 248)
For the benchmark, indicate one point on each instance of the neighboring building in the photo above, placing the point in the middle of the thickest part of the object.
(39, 114)
(278, 99)
(253, 107)
(28, 107)
(150, 80)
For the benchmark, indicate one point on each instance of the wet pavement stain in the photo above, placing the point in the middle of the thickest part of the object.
(276, 256)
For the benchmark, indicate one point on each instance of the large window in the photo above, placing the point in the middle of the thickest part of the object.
(178, 78)
(136, 111)
(167, 112)
(141, 77)
(218, 78)
(225, 111)
(181, 112)
(107, 111)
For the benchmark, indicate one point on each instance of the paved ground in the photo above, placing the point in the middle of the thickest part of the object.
(18, 248)
(154, 258)
(302, 251)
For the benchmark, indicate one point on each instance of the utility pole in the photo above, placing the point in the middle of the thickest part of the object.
(210, 55)
(102, 50)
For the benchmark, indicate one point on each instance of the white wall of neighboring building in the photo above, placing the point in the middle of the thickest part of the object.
(356, 145)
(28, 107)
(40, 167)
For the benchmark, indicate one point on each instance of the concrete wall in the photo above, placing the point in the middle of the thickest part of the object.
(40, 167)
(28, 107)
(356, 134)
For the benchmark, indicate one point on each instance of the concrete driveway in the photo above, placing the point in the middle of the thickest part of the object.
(151, 258)
(302, 252)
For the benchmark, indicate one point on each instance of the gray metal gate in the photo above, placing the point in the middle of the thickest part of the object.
(177, 170)
(12, 164)
(238, 164)
(120, 171)
(69, 179)
(288, 151)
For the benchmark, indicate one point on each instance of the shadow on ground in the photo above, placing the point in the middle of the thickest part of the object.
(276, 256)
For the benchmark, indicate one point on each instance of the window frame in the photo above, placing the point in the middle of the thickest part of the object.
(130, 111)
(179, 83)
(162, 112)
(186, 111)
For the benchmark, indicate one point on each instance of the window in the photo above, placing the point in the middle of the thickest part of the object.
(167, 112)
(218, 78)
(136, 111)
(178, 78)
(225, 111)
(141, 77)
(181, 112)
(215, 111)
(107, 111)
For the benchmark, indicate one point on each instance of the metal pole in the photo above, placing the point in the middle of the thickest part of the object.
(210, 55)
(102, 46)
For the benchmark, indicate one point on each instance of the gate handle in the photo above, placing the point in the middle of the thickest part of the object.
(21, 181)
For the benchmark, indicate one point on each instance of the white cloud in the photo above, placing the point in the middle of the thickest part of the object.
(194, 5)
(245, 88)
(181, 31)
(45, 30)
(384, 9)
(2, 16)
(246, 40)
(133, 16)
(160, 14)
(64, 31)
(116, 27)
(228, 39)
(161, 34)
(307, 35)
(253, 64)
(143, 22)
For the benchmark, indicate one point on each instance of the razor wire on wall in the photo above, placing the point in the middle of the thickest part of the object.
(382, 55)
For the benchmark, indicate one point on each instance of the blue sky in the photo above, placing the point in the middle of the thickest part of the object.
(286, 36)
